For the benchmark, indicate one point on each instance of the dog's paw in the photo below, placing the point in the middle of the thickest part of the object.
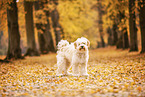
(69, 74)
(59, 74)
(86, 74)
(75, 75)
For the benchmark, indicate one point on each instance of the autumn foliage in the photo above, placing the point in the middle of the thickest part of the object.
(111, 73)
(70, 19)
(31, 29)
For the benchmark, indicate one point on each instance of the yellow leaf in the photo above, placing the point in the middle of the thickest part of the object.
(139, 89)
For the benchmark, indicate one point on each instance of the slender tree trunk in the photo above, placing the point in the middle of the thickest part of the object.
(132, 27)
(1, 35)
(100, 14)
(110, 36)
(119, 43)
(42, 45)
(142, 24)
(115, 34)
(56, 25)
(125, 39)
(32, 50)
(45, 38)
(14, 50)
(41, 28)
(47, 34)
(122, 42)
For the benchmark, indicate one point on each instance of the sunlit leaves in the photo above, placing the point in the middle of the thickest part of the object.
(76, 17)
(112, 8)
(40, 17)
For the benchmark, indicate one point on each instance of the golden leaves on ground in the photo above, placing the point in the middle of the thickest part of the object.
(111, 73)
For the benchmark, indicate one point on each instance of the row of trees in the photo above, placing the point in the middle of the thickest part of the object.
(75, 16)
(46, 43)
(118, 17)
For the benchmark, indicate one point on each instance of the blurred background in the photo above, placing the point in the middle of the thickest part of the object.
(34, 27)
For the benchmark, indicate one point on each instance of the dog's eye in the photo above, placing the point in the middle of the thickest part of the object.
(84, 43)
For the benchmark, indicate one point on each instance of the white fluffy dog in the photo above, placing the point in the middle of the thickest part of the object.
(75, 54)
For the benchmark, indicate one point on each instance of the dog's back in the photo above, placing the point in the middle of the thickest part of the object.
(62, 44)
(65, 49)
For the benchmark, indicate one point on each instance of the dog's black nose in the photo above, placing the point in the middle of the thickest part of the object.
(82, 46)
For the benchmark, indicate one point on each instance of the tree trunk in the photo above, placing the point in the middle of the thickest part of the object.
(110, 36)
(115, 34)
(132, 27)
(100, 14)
(47, 34)
(123, 35)
(14, 50)
(122, 42)
(43, 47)
(4, 61)
(142, 24)
(125, 39)
(1, 35)
(32, 50)
(119, 43)
(56, 25)
(41, 29)
(45, 38)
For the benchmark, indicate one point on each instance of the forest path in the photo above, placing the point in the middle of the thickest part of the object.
(111, 73)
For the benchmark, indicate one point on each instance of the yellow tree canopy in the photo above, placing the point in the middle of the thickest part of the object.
(78, 18)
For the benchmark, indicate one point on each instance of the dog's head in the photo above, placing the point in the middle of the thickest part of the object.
(82, 44)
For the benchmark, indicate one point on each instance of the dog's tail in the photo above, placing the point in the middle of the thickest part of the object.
(62, 44)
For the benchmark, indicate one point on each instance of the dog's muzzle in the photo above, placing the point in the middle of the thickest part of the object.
(82, 48)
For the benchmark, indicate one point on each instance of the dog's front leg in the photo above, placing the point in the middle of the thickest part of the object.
(75, 69)
(61, 63)
(60, 70)
(83, 69)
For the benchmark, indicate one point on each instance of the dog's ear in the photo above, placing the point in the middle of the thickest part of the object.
(88, 43)
(75, 44)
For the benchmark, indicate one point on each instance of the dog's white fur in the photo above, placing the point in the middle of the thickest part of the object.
(75, 54)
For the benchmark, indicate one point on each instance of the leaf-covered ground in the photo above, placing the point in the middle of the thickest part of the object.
(111, 73)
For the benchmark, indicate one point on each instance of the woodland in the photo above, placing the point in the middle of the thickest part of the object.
(31, 29)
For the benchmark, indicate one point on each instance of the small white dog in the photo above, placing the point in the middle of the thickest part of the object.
(75, 54)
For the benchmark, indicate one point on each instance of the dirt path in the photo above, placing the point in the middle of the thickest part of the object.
(111, 73)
